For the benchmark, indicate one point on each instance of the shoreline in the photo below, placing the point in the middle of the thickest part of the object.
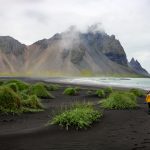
(59, 80)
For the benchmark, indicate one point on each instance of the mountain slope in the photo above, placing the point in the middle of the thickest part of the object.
(136, 66)
(70, 52)
(74, 52)
(12, 54)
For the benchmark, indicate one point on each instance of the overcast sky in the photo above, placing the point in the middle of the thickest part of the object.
(32, 20)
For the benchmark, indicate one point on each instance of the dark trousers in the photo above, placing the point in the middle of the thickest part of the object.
(148, 107)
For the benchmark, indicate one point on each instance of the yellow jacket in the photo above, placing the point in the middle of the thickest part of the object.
(148, 98)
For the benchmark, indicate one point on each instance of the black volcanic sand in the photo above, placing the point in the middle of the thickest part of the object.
(118, 129)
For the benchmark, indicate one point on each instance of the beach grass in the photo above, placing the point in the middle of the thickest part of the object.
(10, 102)
(119, 100)
(78, 117)
(137, 92)
(52, 87)
(20, 84)
(70, 91)
(40, 91)
(32, 102)
(15, 98)
(100, 93)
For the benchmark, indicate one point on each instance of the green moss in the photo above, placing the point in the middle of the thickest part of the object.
(119, 100)
(9, 100)
(40, 91)
(78, 117)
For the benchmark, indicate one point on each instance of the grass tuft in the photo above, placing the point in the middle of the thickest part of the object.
(13, 86)
(108, 90)
(78, 117)
(52, 87)
(32, 102)
(40, 91)
(119, 100)
(20, 84)
(70, 91)
(9, 100)
(100, 93)
(137, 92)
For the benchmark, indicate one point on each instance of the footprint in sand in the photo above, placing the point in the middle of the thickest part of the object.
(111, 135)
(146, 141)
(148, 133)
(139, 147)
(134, 131)
(131, 125)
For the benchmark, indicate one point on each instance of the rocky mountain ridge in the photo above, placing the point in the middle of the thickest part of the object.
(136, 66)
(70, 52)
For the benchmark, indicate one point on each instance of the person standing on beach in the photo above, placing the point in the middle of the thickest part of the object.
(148, 101)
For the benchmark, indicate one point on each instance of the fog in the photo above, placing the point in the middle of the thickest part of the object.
(32, 20)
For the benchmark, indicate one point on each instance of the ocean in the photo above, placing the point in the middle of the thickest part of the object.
(142, 83)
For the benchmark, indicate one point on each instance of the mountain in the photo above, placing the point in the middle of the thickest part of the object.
(71, 52)
(12, 54)
(74, 52)
(136, 66)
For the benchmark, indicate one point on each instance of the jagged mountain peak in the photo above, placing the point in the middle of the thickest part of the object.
(93, 39)
(43, 44)
(11, 45)
(136, 66)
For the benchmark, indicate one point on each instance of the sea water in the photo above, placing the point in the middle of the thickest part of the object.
(143, 83)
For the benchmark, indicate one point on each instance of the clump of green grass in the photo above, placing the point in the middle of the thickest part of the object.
(78, 117)
(32, 102)
(70, 91)
(108, 90)
(1, 83)
(13, 100)
(13, 86)
(77, 88)
(137, 92)
(10, 102)
(40, 91)
(52, 87)
(120, 100)
(24, 94)
(100, 93)
(20, 84)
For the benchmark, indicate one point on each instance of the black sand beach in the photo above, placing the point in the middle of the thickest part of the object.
(118, 129)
